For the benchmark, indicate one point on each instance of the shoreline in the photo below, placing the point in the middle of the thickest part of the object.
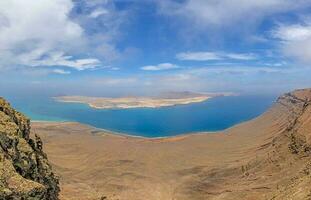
(123, 134)
(115, 133)
(125, 103)
(127, 135)
(137, 135)
(125, 107)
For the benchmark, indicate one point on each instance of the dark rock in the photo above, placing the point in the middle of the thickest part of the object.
(25, 172)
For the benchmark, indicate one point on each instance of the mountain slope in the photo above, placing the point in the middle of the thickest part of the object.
(263, 159)
(24, 169)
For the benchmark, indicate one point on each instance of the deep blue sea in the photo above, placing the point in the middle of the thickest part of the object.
(212, 115)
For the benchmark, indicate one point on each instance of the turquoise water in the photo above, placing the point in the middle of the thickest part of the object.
(215, 114)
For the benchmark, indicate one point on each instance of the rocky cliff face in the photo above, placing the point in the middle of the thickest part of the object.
(25, 172)
(298, 126)
(297, 131)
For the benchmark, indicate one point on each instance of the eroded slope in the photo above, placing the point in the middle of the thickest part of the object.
(25, 172)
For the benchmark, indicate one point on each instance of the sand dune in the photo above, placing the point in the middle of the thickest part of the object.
(266, 158)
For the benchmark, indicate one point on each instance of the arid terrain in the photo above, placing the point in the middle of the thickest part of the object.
(171, 99)
(268, 158)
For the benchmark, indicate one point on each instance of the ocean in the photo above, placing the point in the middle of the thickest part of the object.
(215, 114)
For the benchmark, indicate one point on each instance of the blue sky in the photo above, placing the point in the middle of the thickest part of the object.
(122, 47)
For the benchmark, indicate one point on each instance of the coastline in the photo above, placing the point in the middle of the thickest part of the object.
(113, 133)
(103, 131)
(49, 121)
(131, 102)
(151, 132)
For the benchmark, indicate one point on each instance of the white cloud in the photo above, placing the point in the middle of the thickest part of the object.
(296, 32)
(34, 59)
(237, 56)
(115, 68)
(116, 81)
(295, 41)
(43, 33)
(162, 66)
(276, 64)
(236, 70)
(206, 56)
(38, 27)
(103, 22)
(44, 22)
(225, 12)
(61, 71)
(198, 56)
(98, 12)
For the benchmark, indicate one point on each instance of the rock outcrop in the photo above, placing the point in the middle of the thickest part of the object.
(25, 172)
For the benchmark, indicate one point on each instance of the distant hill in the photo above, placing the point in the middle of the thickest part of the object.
(176, 95)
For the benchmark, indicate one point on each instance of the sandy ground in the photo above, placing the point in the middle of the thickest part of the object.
(251, 161)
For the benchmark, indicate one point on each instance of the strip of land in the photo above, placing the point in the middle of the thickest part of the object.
(136, 102)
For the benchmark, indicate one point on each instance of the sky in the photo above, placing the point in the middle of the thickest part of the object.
(144, 47)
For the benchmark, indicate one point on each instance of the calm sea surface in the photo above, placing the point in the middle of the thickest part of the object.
(215, 114)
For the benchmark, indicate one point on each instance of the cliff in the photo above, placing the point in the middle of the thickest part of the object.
(25, 172)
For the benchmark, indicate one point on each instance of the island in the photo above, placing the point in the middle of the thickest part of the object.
(163, 100)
